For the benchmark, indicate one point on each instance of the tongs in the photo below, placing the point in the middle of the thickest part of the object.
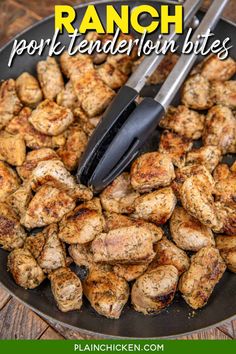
(126, 126)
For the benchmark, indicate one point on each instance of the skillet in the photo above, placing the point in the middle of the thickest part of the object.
(179, 318)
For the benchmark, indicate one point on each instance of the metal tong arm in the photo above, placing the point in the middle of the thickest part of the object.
(138, 80)
(186, 61)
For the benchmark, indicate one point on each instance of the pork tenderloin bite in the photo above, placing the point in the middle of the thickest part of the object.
(12, 234)
(155, 289)
(197, 284)
(132, 245)
(28, 90)
(188, 233)
(24, 269)
(67, 289)
(156, 207)
(106, 292)
(151, 171)
(50, 118)
(82, 225)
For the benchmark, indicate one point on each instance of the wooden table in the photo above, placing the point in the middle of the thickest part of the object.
(16, 320)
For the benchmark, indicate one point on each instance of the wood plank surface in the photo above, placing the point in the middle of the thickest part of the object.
(16, 320)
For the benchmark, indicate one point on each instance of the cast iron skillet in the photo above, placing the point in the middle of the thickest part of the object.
(178, 319)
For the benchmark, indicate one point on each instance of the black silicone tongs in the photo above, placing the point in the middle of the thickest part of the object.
(126, 126)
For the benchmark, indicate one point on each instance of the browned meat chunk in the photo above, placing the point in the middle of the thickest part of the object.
(28, 90)
(12, 234)
(155, 289)
(51, 119)
(156, 207)
(24, 269)
(197, 284)
(196, 93)
(224, 93)
(106, 292)
(48, 205)
(175, 146)
(208, 156)
(12, 148)
(50, 78)
(151, 171)
(212, 68)
(82, 225)
(188, 233)
(184, 121)
(133, 244)
(220, 129)
(67, 289)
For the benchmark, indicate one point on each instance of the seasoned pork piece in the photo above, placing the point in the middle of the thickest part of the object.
(75, 145)
(197, 284)
(213, 68)
(28, 90)
(167, 253)
(12, 148)
(155, 289)
(10, 104)
(224, 93)
(33, 138)
(67, 289)
(9, 181)
(53, 254)
(225, 187)
(133, 244)
(92, 92)
(19, 200)
(175, 146)
(184, 121)
(196, 93)
(115, 221)
(82, 255)
(12, 234)
(67, 97)
(112, 76)
(51, 119)
(187, 171)
(48, 205)
(50, 77)
(188, 233)
(196, 197)
(119, 196)
(32, 160)
(82, 225)
(227, 247)
(24, 269)
(106, 292)
(220, 129)
(151, 171)
(227, 216)
(52, 173)
(208, 156)
(35, 243)
(156, 207)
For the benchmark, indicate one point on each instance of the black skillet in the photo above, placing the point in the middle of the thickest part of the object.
(179, 318)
